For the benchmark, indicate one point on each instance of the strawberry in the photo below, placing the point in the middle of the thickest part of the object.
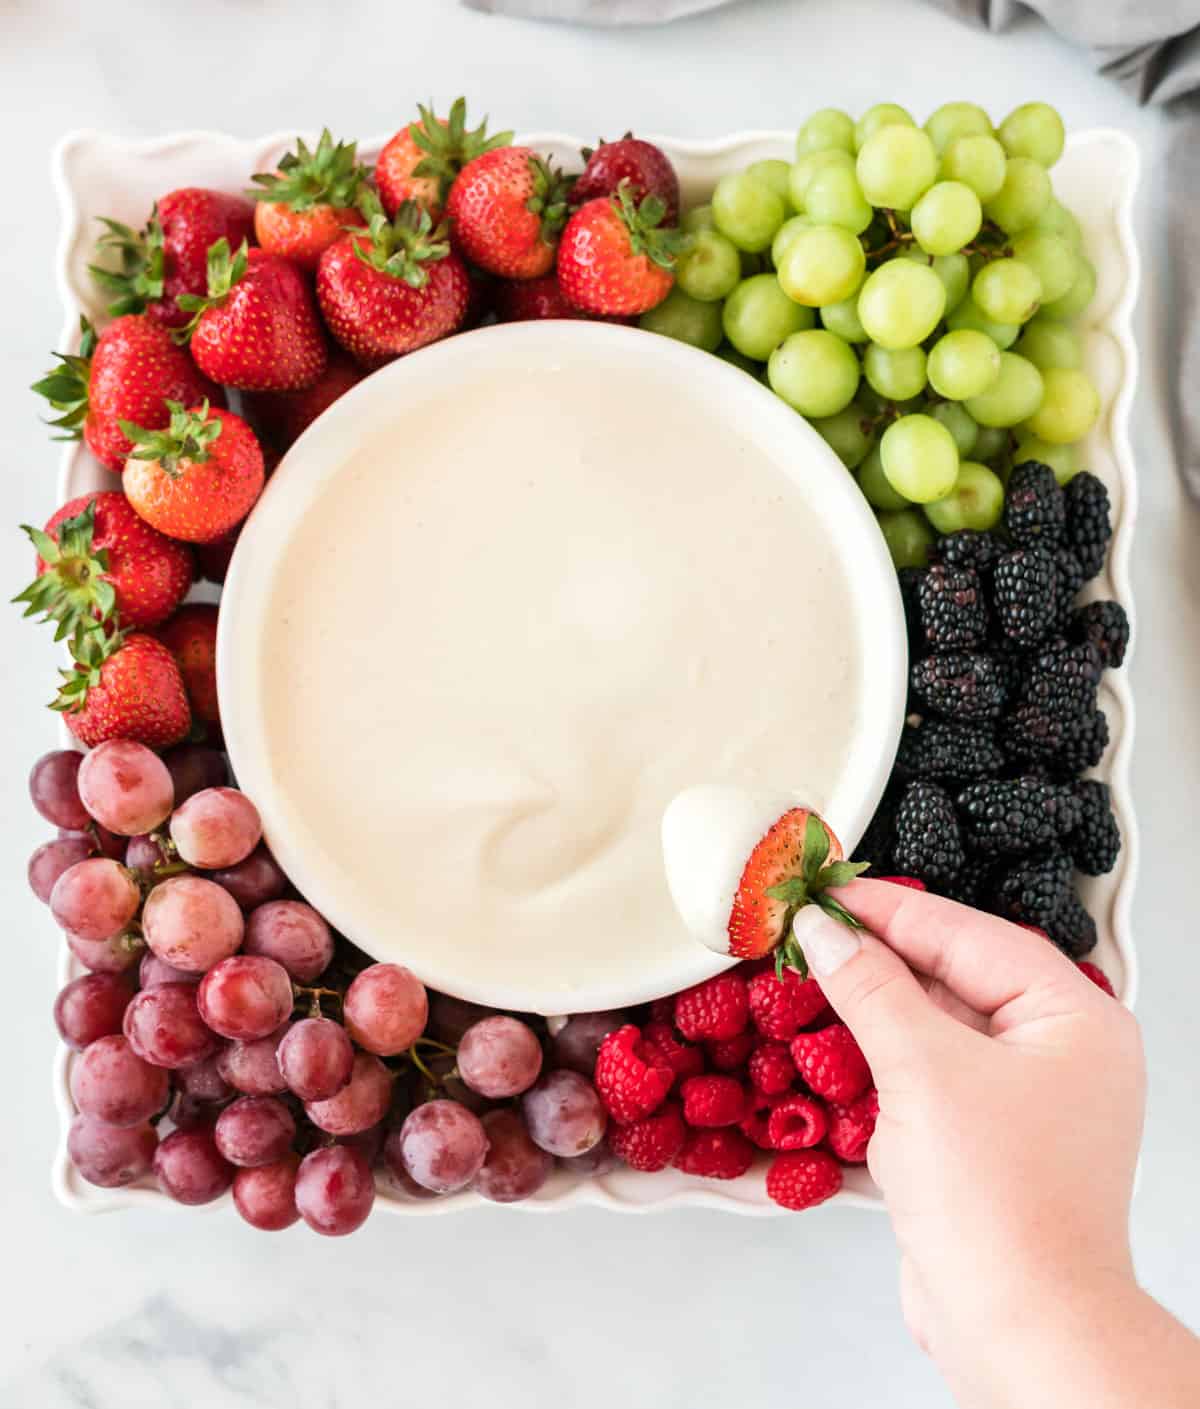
(506, 211)
(213, 559)
(394, 289)
(282, 415)
(97, 558)
(794, 865)
(128, 373)
(421, 161)
(523, 300)
(123, 687)
(615, 257)
(646, 167)
(199, 477)
(257, 327)
(191, 637)
(306, 205)
(170, 256)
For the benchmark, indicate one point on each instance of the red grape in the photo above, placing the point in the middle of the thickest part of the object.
(316, 1058)
(450, 1017)
(253, 1067)
(254, 881)
(110, 1082)
(191, 923)
(91, 1007)
(245, 996)
(54, 789)
(194, 767)
(95, 899)
(255, 1130)
(369, 1142)
(107, 956)
(514, 1168)
(441, 1145)
(335, 1190)
(216, 828)
(361, 1103)
(52, 858)
(164, 1026)
(592, 1163)
(190, 1168)
(398, 1178)
(576, 1044)
(152, 971)
(202, 1081)
(110, 1155)
(563, 1113)
(293, 934)
(266, 1196)
(499, 1057)
(142, 855)
(126, 787)
(385, 1009)
(190, 1113)
(104, 842)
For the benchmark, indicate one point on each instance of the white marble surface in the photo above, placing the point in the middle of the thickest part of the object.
(584, 1310)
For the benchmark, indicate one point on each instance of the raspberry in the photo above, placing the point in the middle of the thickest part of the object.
(681, 1057)
(851, 1127)
(910, 882)
(712, 1101)
(714, 1009)
(781, 1009)
(755, 1126)
(631, 1076)
(662, 1010)
(831, 1063)
(1097, 976)
(803, 1178)
(797, 1123)
(652, 1143)
(731, 1053)
(715, 1154)
(771, 1068)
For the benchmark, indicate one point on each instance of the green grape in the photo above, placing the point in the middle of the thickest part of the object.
(753, 264)
(963, 363)
(758, 315)
(1013, 397)
(842, 319)
(806, 167)
(728, 353)
(968, 314)
(1035, 131)
(958, 422)
(815, 372)
(709, 267)
(946, 217)
(834, 197)
(822, 265)
(901, 302)
(700, 217)
(1007, 291)
(844, 434)
(874, 485)
(976, 501)
(896, 166)
(1062, 459)
(1077, 297)
(685, 319)
(953, 120)
(1022, 198)
(954, 270)
(990, 442)
(1070, 406)
(919, 458)
(747, 211)
(1048, 344)
(827, 127)
(786, 233)
(978, 162)
(773, 172)
(881, 115)
(1056, 219)
(1051, 257)
(897, 373)
(908, 537)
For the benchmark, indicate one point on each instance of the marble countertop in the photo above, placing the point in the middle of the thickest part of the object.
(496, 1307)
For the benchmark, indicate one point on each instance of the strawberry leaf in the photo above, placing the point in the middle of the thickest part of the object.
(840, 873)
(644, 222)
(793, 891)
(450, 146)
(186, 440)
(139, 278)
(330, 175)
(65, 387)
(73, 592)
(401, 247)
(816, 848)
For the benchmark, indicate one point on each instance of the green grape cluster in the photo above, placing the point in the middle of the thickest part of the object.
(912, 291)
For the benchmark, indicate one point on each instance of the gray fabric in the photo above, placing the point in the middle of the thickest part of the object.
(1150, 47)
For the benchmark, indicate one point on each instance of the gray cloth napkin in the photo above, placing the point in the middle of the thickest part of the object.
(1150, 47)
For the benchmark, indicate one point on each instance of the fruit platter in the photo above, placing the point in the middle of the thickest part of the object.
(946, 306)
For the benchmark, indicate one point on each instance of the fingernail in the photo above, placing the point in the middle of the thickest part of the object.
(827, 943)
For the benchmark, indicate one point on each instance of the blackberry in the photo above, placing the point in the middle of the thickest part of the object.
(1025, 595)
(1063, 678)
(1032, 732)
(1095, 841)
(952, 609)
(1032, 892)
(1106, 626)
(1034, 508)
(928, 841)
(1017, 816)
(1071, 578)
(1089, 527)
(876, 842)
(966, 685)
(910, 580)
(1082, 745)
(967, 549)
(970, 886)
(945, 751)
(1072, 929)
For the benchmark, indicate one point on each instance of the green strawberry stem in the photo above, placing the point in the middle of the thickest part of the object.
(139, 280)
(811, 887)
(65, 387)
(450, 147)
(224, 270)
(91, 645)
(73, 590)
(186, 440)
(550, 198)
(644, 223)
(330, 175)
(402, 247)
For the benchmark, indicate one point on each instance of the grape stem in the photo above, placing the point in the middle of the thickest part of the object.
(314, 995)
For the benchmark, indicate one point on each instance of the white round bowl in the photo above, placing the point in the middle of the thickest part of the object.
(726, 395)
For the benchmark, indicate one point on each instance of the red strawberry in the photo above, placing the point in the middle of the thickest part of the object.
(213, 559)
(650, 1144)
(631, 1077)
(199, 477)
(96, 557)
(394, 289)
(123, 687)
(713, 1100)
(306, 205)
(129, 373)
(523, 300)
(851, 1127)
(803, 1178)
(257, 327)
(615, 257)
(170, 256)
(283, 415)
(646, 167)
(797, 1123)
(506, 211)
(715, 1154)
(421, 161)
(191, 637)
(831, 1063)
